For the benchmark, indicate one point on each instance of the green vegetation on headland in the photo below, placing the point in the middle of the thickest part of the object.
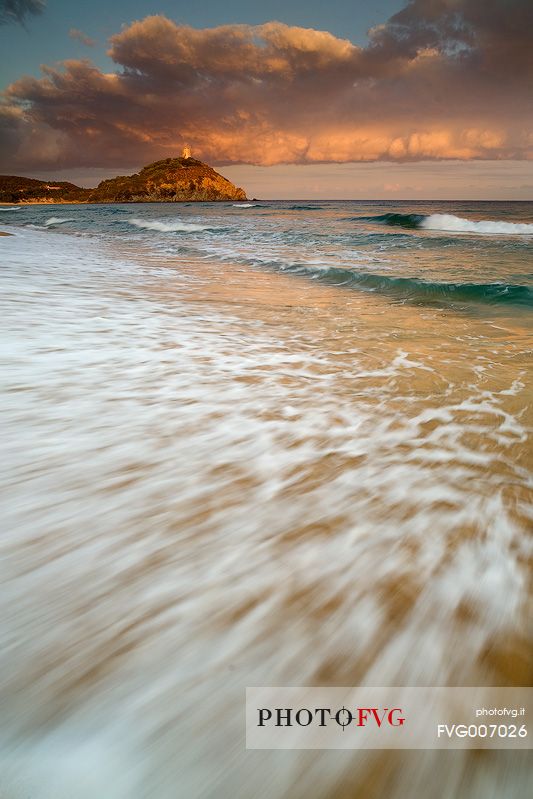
(169, 180)
(14, 189)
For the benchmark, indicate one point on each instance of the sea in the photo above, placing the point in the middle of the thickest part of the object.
(259, 444)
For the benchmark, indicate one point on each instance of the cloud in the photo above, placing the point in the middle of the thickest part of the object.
(442, 79)
(483, 31)
(74, 33)
(17, 10)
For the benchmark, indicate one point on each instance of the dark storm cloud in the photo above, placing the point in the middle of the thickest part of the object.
(441, 79)
(18, 10)
(497, 32)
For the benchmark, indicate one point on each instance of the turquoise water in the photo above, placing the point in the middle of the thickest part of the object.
(419, 252)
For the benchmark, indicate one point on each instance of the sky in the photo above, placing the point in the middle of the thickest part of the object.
(391, 99)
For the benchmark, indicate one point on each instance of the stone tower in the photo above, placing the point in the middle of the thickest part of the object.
(186, 152)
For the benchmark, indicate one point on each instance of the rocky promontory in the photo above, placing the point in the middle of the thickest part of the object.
(169, 180)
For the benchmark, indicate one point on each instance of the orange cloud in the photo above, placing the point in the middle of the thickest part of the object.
(433, 83)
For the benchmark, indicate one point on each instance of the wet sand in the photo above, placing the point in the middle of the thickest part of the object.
(221, 477)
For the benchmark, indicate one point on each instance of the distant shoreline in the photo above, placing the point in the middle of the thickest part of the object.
(52, 202)
(116, 202)
(182, 179)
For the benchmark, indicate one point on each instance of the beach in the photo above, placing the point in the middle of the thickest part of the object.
(271, 443)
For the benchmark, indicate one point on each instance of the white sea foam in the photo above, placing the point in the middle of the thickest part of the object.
(244, 205)
(10, 208)
(58, 220)
(458, 224)
(168, 227)
(283, 490)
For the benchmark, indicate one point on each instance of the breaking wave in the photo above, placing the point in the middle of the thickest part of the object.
(169, 227)
(396, 220)
(460, 225)
(452, 223)
(57, 220)
(10, 208)
(246, 205)
(418, 291)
